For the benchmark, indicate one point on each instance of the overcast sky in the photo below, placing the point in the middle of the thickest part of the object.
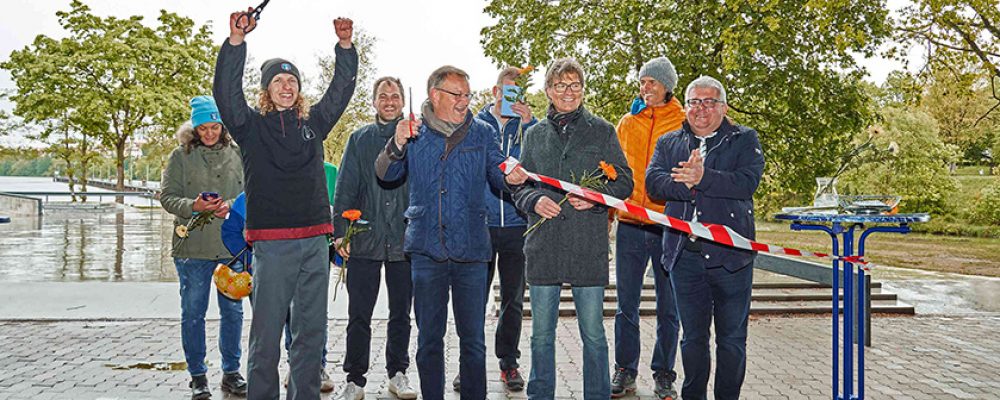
(414, 37)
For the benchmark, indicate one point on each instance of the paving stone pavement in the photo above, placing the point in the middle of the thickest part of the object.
(924, 357)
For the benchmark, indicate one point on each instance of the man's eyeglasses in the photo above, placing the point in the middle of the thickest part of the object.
(706, 103)
(458, 96)
(561, 87)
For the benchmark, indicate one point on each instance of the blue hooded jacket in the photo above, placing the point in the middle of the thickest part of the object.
(500, 209)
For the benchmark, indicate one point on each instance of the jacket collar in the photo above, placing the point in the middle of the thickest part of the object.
(640, 108)
(486, 114)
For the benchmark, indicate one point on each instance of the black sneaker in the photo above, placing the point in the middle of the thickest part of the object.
(622, 383)
(457, 383)
(199, 388)
(234, 384)
(512, 380)
(664, 385)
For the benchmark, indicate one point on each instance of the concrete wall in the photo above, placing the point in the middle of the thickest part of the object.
(14, 205)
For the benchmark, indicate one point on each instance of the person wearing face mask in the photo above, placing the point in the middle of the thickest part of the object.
(203, 175)
(381, 247)
(654, 113)
(708, 172)
(288, 209)
(447, 159)
(571, 246)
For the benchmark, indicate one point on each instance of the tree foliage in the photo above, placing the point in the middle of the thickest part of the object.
(919, 169)
(956, 33)
(789, 65)
(112, 77)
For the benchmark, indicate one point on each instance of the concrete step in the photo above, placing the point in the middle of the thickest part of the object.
(795, 297)
(650, 296)
(566, 309)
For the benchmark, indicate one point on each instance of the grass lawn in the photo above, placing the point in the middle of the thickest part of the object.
(975, 256)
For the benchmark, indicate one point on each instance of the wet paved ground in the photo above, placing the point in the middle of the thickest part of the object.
(929, 357)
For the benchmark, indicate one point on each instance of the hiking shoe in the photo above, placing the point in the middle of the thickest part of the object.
(234, 384)
(199, 388)
(351, 391)
(664, 386)
(622, 383)
(399, 385)
(325, 383)
(457, 383)
(512, 380)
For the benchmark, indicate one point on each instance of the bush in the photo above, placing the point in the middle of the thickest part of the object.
(917, 169)
(986, 209)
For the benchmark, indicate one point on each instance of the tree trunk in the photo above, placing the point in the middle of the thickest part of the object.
(120, 170)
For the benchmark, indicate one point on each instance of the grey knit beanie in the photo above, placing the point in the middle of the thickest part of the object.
(661, 69)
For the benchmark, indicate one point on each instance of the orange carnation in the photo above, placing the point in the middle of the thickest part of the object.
(525, 70)
(609, 170)
(351, 215)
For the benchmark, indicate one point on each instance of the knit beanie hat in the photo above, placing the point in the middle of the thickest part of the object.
(661, 69)
(276, 66)
(203, 111)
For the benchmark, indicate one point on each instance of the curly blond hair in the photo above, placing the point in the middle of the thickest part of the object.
(266, 105)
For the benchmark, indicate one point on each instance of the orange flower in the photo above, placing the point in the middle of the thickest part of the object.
(351, 215)
(609, 170)
(525, 70)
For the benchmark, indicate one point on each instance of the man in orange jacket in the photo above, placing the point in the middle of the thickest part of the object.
(654, 113)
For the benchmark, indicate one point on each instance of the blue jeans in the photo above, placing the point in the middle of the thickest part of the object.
(195, 277)
(431, 283)
(589, 302)
(635, 246)
(704, 294)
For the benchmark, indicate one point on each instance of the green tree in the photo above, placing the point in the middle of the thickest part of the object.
(789, 65)
(918, 170)
(113, 76)
(957, 33)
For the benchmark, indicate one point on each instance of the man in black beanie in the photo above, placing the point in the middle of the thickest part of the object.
(288, 214)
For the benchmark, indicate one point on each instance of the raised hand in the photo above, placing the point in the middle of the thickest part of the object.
(344, 28)
(240, 23)
(403, 130)
(522, 110)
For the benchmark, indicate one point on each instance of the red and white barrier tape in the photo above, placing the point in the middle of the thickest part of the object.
(713, 232)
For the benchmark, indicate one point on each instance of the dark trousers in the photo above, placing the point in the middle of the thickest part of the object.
(433, 283)
(703, 294)
(508, 244)
(363, 277)
(635, 247)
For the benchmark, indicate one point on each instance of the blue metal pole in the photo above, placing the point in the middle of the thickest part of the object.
(861, 334)
(848, 238)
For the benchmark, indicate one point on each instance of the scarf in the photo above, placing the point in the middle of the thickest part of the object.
(562, 120)
(446, 128)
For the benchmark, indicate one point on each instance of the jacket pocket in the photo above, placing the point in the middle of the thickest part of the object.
(416, 228)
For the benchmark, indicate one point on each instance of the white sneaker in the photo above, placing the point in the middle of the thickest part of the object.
(351, 392)
(325, 383)
(399, 385)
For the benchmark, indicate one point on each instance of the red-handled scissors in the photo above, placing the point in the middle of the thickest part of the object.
(412, 117)
(243, 21)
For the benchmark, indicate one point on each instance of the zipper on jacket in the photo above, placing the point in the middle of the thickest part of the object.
(506, 144)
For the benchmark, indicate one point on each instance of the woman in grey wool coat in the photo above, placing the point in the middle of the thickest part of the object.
(571, 245)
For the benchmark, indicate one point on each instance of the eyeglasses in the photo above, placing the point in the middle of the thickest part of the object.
(574, 87)
(705, 103)
(458, 96)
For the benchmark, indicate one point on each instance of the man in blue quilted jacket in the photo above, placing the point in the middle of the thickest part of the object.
(448, 159)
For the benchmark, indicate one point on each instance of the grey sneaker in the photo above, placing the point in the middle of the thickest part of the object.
(399, 385)
(622, 383)
(325, 383)
(664, 385)
(351, 392)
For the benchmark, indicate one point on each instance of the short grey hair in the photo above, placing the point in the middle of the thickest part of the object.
(508, 73)
(440, 74)
(706, 82)
(563, 66)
